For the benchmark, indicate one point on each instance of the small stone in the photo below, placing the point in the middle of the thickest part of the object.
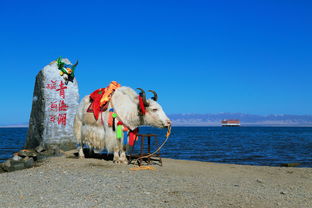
(259, 181)
(40, 148)
(16, 157)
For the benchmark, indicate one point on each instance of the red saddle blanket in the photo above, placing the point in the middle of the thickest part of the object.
(95, 106)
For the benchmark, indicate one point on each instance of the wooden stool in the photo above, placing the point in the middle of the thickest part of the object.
(148, 159)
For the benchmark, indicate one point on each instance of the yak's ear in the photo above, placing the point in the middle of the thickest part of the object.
(125, 101)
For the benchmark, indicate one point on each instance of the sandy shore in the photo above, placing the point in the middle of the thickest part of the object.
(69, 182)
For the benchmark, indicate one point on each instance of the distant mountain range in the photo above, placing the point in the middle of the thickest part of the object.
(245, 119)
(13, 125)
(190, 119)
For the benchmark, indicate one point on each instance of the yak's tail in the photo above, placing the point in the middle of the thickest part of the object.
(77, 129)
(77, 133)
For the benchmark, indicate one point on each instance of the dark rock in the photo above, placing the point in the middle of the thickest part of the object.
(28, 162)
(11, 165)
(290, 164)
(27, 153)
(6, 166)
(40, 148)
(18, 166)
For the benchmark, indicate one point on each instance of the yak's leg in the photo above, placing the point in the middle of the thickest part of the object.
(116, 155)
(81, 154)
(119, 153)
(77, 133)
(123, 157)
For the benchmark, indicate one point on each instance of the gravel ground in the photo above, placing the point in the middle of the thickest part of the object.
(70, 182)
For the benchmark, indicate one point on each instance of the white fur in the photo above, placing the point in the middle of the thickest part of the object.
(99, 136)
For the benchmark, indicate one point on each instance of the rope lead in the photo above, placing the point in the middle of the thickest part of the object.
(159, 148)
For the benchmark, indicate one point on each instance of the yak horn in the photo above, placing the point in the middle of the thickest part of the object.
(155, 95)
(142, 94)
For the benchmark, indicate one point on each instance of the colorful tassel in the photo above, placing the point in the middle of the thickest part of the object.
(114, 115)
(110, 117)
(119, 132)
(133, 136)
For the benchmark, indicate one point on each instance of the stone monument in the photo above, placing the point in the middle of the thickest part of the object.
(54, 105)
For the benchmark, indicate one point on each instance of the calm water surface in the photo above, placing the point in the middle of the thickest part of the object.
(11, 140)
(242, 145)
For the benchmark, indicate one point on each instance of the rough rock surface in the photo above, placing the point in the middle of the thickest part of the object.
(53, 109)
(71, 182)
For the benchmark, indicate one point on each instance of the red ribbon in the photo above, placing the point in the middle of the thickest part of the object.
(133, 136)
(141, 104)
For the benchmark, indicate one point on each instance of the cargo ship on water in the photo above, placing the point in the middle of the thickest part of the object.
(230, 123)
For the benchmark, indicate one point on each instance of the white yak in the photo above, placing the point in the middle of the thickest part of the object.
(98, 135)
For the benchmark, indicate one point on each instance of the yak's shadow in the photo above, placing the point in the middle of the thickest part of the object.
(109, 157)
(91, 154)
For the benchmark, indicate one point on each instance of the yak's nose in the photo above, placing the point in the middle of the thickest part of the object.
(168, 123)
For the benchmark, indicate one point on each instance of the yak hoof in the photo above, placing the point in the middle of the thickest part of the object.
(123, 162)
(81, 154)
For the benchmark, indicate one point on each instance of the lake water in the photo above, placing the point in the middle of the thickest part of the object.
(269, 146)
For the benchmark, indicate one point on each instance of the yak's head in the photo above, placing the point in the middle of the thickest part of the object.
(127, 106)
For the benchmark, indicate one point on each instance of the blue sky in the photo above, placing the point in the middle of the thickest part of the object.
(200, 56)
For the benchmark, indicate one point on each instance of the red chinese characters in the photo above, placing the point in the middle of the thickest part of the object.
(62, 89)
(52, 118)
(53, 106)
(61, 119)
(58, 106)
(62, 106)
(51, 85)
